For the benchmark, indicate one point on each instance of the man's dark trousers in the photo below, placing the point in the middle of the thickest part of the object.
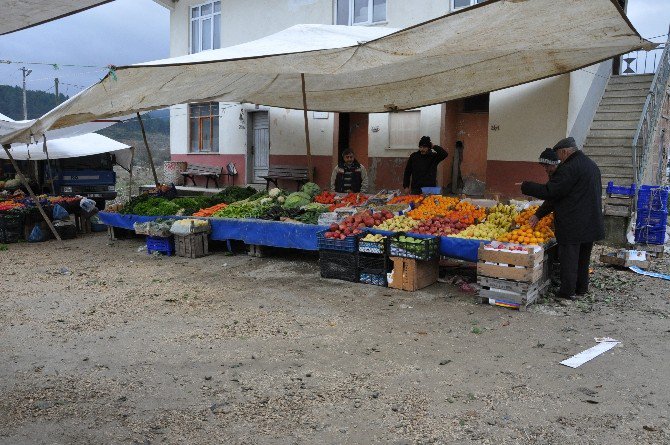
(575, 260)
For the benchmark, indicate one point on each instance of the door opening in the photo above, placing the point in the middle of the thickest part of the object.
(259, 148)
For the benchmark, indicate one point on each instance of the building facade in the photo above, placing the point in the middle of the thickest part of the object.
(502, 132)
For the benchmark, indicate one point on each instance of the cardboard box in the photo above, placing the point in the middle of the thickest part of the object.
(412, 275)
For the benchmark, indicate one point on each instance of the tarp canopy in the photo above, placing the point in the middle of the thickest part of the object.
(22, 14)
(494, 45)
(79, 143)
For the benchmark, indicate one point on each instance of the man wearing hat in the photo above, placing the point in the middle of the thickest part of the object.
(549, 161)
(575, 191)
(421, 168)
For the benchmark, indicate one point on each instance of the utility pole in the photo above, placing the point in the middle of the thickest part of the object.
(56, 87)
(26, 72)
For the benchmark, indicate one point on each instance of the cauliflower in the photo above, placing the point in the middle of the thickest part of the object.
(265, 201)
(275, 192)
(281, 200)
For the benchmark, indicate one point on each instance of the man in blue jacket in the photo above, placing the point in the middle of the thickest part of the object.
(575, 190)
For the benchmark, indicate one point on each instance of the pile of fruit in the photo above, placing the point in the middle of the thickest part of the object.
(397, 224)
(483, 231)
(373, 238)
(434, 205)
(325, 197)
(527, 235)
(439, 226)
(6, 206)
(502, 216)
(416, 199)
(355, 224)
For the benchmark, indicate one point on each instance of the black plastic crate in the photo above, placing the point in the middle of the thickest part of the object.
(348, 244)
(374, 279)
(425, 249)
(11, 227)
(339, 265)
(372, 264)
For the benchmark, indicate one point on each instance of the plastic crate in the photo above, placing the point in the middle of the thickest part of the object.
(160, 244)
(372, 264)
(426, 249)
(651, 219)
(374, 247)
(650, 236)
(348, 244)
(652, 198)
(339, 265)
(431, 190)
(620, 190)
(11, 227)
(374, 279)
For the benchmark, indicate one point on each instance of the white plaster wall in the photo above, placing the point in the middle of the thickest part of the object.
(379, 141)
(587, 87)
(530, 118)
(287, 133)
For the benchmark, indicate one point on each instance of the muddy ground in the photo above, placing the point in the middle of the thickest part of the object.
(103, 344)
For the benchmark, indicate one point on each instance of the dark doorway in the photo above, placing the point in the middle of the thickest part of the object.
(353, 135)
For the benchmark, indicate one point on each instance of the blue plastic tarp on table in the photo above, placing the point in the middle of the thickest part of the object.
(251, 231)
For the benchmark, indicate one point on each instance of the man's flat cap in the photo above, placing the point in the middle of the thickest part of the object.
(565, 143)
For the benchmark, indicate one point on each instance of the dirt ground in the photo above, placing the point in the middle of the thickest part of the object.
(103, 344)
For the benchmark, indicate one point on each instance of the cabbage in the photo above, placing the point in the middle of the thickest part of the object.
(311, 189)
(296, 200)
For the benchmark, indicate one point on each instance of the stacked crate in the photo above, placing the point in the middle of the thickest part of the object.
(373, 262)
(512, 278)
(415, 265)
(338, 259)
(652, 215)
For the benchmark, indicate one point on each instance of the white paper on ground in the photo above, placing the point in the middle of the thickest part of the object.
(578, 360)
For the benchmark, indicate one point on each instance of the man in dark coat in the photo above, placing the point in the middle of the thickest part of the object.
(575, 191)
(421, 168)
(349, 176)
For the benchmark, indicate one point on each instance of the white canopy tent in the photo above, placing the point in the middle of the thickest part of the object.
(491, 46)
(22, 14)
(72, 142)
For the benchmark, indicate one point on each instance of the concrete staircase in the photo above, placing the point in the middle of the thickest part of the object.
(610, 140)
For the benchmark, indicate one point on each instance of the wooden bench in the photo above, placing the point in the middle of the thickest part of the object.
(286, 172)
(209, 171)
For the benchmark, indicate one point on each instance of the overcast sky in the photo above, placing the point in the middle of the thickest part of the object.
(130, 31)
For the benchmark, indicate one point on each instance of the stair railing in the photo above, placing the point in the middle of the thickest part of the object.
(643, 140)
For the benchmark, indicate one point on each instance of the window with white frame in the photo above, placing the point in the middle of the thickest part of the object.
(361, 12)
(404, 129)
(203, 127)
(458, 4)
(206, 26)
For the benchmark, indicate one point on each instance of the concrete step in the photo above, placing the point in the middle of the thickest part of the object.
(613, 162)
(629, 116)
(617, 179)
(614, 125)
(633, 100)
(621, 108)
(608, 142)
(608, 152)
(609, 133)
(637, 92)
(628, 86)
(636, 78)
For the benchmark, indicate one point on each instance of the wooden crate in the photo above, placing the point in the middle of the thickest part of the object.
(509, 293)
(654, 250)
(622, 262)
(617, 206)
(411, 275)
(526, 266)
(191, 246)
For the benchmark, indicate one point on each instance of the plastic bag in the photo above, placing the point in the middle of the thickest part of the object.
(87, 204)
(36, 235)
(59, 212)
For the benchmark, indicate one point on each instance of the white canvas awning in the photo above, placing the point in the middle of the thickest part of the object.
(22, 14)
(71, 142)
(494, 45)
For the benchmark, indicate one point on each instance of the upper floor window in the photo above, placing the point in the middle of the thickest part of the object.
(206, 26)
(458, 4)
(360, 12)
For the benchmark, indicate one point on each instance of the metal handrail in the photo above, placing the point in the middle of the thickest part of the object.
(651, 113)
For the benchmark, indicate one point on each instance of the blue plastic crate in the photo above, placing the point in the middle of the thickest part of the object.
(348, 244)
(431, 190)
(620, 190)
(374, 279)
(651, 219)
(650, 236)
(160, 244)
(652, 198)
